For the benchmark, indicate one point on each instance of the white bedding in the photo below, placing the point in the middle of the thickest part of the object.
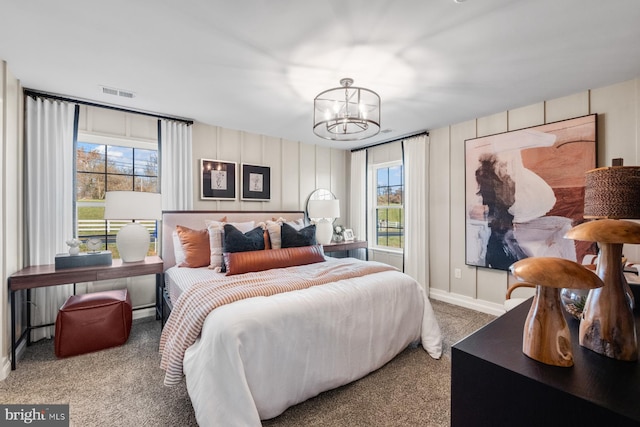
(257, 357)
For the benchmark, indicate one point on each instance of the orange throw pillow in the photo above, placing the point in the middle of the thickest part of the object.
(195, 244)
(251, 261)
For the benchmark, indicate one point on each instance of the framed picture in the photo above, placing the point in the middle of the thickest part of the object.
(217, 180)
(525, 189)
(256, 182)
(348, 235)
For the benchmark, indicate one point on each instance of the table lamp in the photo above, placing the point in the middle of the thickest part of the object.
(607, 325)
(133, 239)
(324, 212)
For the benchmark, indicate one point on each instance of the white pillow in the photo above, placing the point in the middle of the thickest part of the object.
(178, 252)
(216, 238)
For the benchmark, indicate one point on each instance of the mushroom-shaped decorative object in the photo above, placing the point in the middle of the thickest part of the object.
(546, 336)
(607, 325)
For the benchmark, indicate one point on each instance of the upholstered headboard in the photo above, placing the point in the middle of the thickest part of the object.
(196, 220)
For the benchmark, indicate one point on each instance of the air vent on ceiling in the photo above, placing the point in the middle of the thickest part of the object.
(109, 91)
(117, 92)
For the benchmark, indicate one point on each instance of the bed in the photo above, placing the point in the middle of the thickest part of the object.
(249, 359)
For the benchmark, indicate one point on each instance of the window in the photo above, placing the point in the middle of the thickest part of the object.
(389, 205)
(108, 166)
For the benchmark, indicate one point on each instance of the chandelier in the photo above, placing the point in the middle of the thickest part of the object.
(346, 113)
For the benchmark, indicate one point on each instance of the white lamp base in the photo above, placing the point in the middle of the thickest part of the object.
(133, 242)
(324, 231)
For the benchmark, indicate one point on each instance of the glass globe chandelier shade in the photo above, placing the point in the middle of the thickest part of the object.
(346, 113)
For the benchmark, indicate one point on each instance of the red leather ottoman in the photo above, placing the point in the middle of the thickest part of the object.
(91, 322)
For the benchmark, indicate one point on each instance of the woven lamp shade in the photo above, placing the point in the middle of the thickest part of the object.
(612, 192)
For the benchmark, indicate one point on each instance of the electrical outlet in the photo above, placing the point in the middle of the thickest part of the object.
(457, 273)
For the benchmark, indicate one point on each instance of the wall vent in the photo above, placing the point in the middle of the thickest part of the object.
(117, 92)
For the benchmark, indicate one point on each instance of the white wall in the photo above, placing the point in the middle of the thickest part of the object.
(618, 109)
(296, 168)
(11, 248)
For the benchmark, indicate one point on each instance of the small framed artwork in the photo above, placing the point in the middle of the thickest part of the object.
(348, 235)
(256, 182)
(217, 180)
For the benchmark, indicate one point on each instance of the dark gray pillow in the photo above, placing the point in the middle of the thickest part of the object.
(237, 241)
(292, 238)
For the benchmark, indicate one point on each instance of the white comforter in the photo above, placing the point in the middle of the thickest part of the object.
(259, 356)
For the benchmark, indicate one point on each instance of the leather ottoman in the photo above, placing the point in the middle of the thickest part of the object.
(91, 322)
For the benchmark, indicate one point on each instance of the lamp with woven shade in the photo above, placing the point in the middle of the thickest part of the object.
(612, 194)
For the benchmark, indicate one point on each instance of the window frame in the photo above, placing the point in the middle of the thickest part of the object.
(111, 227)
(373, 206)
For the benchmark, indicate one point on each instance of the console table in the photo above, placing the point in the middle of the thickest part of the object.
(494, 383)
(39, 276)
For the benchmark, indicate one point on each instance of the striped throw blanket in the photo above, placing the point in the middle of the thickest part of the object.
(194, 305)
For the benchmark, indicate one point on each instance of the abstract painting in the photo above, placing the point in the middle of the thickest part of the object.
(525, 189)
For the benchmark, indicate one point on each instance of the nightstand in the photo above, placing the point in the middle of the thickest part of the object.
(342, 249)
(494, 383)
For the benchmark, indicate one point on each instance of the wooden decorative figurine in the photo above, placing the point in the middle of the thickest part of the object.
(608, 326)
(546, 336)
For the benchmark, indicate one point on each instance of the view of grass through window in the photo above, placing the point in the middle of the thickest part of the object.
(389, 207)
(101, 168)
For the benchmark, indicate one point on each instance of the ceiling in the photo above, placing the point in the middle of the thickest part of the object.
(256, 65)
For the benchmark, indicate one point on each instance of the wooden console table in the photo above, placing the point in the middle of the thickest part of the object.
(39, 276)
(494, 384)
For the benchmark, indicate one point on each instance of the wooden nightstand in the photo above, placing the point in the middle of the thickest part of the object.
(39, 276)
(345, 247)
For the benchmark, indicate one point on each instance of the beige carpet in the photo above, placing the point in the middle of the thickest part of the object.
(123, 386)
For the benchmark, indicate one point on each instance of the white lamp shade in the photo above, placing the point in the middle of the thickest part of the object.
(324, 208)
(132, 205)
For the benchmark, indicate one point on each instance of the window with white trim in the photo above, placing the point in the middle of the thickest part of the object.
(110, 164)
(388, 206)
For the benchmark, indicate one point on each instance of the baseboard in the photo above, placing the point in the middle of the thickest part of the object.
(144, 312)
(5, 368)
(5, 362)
(467, 302)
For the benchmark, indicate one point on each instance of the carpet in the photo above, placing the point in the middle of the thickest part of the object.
(123, 386)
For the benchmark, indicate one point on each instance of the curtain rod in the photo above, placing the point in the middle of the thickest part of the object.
(34, 93)
(409, 135)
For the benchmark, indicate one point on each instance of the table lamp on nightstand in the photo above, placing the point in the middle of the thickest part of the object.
(324, 212)
(133, 239)
(608, 325)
